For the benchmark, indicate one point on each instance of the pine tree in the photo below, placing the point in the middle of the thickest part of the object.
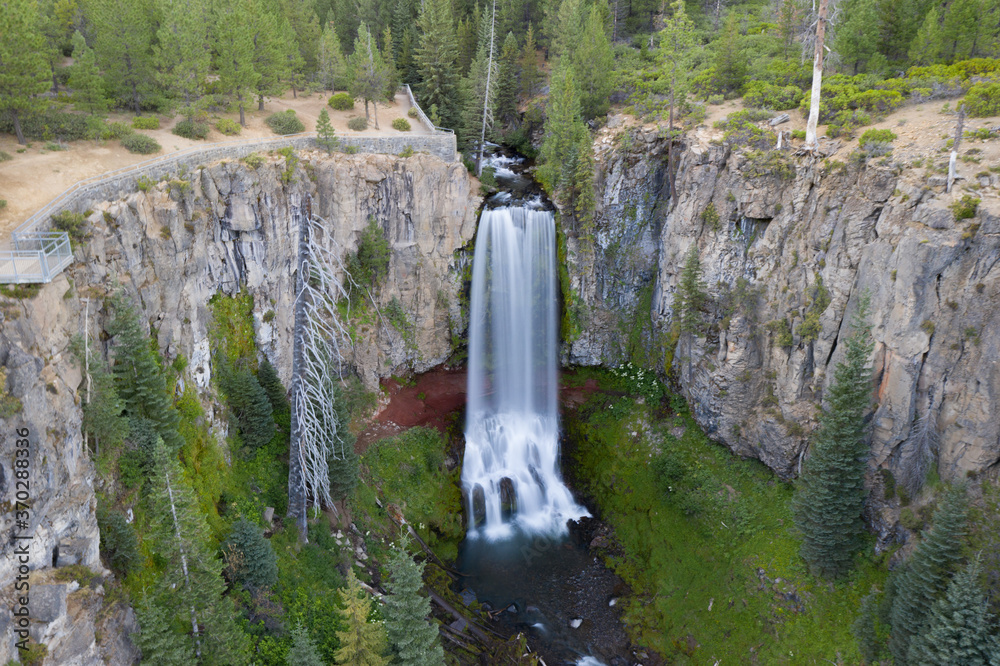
(391, 72)
(831, 493)
(301, 17)
(583, 183)
(960, 627)
(362, 643)
(343, 472)
(857, 38)
(157, 640)
(507, 85)
(531, 67)
(250, 406)
(332, 65)
(960, 30)
(24, 73)
(414, 640)
(690, 300)
(253, 563)
(564, 28)
(123, 32)
(268, 378)
(676, 41)
(85, 78)
(564, 130)
(303, 651)
(270, 48)
(865, 631)
(235, 51)
(480, 92)
(730, 57)
(183, 55)
(436, 59)
(102, 413)
(369, 74)
(789, 18)
(926, 46)
(927, 572)
(594, 63)
(139, 380)
(327, 139)
(191, 586)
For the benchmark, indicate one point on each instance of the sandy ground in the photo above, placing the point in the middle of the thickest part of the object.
(36, 176)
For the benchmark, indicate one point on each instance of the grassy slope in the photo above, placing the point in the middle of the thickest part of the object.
(696, 526)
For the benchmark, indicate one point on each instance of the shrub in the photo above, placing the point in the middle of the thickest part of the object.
(191, 129)
(228, 127)
(52, 146)
(141, 144)
(5, 156)
(48, 125)
(358, 124)
(741, 130)
(983, 100)
(407, 152)
(146, 123)
(350, 150)
(715, 100)
(771, 96)
(799, 134)
(965, 208)
(412, 112)
(144, 184)
(254, 160)
(876, 136)
(285, 122)
(119, 545)
(250, 559)
(116, 131)
(401, 124)
(72, 223)
(370, 264)
(341, 102)
(3, 204)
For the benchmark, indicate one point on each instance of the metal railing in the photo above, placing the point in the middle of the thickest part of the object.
(35, 257)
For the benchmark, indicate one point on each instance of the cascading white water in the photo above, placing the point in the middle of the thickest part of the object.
(512, 421)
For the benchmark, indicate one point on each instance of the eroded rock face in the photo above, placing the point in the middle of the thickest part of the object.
(757, 375)
(222, 228)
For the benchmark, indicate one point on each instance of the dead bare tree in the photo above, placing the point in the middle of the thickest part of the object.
(919, 449)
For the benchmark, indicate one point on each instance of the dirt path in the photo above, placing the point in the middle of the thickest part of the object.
(36, 176)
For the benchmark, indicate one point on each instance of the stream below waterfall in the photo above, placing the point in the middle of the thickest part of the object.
(526, 555)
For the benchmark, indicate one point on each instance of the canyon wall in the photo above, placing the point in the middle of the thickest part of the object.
(218, 229)
(788, 245)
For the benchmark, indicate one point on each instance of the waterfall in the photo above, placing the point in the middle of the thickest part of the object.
(511, 469)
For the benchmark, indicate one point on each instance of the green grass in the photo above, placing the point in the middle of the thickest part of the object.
(695, 525)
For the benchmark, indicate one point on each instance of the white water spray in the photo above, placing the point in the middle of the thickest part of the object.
(512, 424)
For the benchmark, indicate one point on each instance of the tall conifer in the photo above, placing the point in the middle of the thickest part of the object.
(414, 641)
(362, 643)
(24, 73)
(437, 58)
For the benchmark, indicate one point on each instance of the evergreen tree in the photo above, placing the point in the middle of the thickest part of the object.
(305, 27)
(369, 74)
(326, 138)
(436, 59)
(253, 563)
(24, 73)
(406, 62)
(102, 413)
(960, 30)
(594, 63)
(584, 199)
(267, 376)
(690, 300)
(191, 587)
(960, 627)
(927, 573)
(789, 18)
(730, 57)
(564, 130)
(865, 631)
(414, 640)
(157, 640)
(857, 38)
(303, 651)
(507, 85)
(343, 470)
(123, 33)
(565, 28)
(480, 92)
(235, 51)
(85, 78)
(183, 55)
(676, 41)
(926, 46)
(269, 53)
(831, 494)
(332, 65)
(465, 39)
(531, 66)
(391, 72)
(250, 407)
(139, 380)
(362, 643)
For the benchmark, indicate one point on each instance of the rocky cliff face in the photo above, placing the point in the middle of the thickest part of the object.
(788, 246)
(221, 228)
